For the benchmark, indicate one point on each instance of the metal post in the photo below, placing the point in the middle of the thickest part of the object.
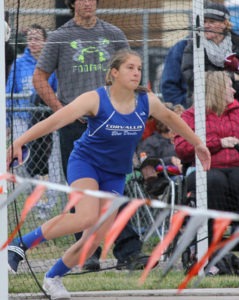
(145, 49)
(199, 103)
(3, 211)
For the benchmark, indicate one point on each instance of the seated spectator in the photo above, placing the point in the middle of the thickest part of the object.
(220, 42)
(222, 135)
(150, 127)
(159, 145)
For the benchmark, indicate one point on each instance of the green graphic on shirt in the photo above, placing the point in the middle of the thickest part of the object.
(87, 55)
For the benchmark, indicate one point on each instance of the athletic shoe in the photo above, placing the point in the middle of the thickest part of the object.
(55, 288)
(92, 263)
(213, 271)
(16, 253)
(134, 262)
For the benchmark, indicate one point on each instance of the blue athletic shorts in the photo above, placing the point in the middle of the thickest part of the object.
(109, 182)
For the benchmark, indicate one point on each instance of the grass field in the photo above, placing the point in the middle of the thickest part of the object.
(120, 280)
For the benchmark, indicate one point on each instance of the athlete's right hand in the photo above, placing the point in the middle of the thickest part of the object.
(14, 151)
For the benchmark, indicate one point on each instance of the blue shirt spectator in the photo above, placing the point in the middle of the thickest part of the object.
(20, 80)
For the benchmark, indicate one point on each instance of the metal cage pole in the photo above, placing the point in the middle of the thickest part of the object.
(200, 119)
(3, 211)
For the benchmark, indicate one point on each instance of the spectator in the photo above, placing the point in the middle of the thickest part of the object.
(151, 122)
(173, 86)
(220, 42)
(112, 135)
(222, 122)
(159, 145)
(149, 128)
(71, 50)
(20, 79)
(21, 83)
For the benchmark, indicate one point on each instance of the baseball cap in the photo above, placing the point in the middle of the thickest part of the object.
(216, 11)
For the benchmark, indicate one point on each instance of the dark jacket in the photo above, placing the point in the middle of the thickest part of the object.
(157, 146)
(172, 85)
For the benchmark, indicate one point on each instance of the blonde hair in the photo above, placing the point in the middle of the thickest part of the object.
(216, 91)
(116, 61)
(228, 25)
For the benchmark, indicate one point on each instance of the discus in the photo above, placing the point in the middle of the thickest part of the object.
(25, 156)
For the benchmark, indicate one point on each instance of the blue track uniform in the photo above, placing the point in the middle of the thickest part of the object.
(107, 134)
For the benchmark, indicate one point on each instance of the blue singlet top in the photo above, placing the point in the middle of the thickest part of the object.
(111, 137)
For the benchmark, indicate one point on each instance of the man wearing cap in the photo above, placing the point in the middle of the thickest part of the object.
(221, 46)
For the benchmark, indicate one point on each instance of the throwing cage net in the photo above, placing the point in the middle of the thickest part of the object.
(151, 28)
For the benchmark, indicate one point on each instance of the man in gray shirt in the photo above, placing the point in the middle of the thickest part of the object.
(79, 52)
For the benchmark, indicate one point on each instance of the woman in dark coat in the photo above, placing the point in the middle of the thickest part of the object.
(219, 44)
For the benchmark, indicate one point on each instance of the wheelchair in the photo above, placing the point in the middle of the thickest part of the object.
(173, 193)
